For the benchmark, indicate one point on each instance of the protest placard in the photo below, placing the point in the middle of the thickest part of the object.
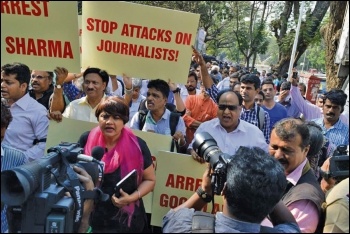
(138, 40)
(178, 177)
(40, 34)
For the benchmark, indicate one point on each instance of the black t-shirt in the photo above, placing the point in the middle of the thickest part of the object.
(107, 217)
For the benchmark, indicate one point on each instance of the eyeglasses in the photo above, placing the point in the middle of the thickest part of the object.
(39, 77)
(230, 107)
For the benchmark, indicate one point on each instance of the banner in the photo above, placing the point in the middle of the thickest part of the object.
(178, 177)
(139, 40)
(155, 142)
(40, 34)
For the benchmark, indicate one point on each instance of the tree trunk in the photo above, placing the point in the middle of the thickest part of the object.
(316, 18)
(331, 33)
(254, 59)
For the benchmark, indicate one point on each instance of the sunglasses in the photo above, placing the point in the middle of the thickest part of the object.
(39, 77)
(230, 107)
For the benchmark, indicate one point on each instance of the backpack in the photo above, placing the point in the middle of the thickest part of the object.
(173, 121)
(261, 117)
(203, 222)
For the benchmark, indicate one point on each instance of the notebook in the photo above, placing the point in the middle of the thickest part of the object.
(128, 183)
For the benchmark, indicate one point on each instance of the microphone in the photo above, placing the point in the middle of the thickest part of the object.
(96, 155)
(92, 164)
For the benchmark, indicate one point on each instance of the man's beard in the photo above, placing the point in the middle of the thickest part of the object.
(190, 88)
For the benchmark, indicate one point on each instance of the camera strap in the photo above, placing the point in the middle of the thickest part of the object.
(76, 190)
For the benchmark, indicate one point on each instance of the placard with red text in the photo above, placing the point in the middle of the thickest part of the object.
(177, 179)
(139, 40)
(40, 34)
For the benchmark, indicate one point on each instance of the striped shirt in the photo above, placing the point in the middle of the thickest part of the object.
(338, 134)
(10, 158)
(250, 116)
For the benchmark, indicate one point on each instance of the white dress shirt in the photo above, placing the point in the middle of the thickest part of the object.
(245, 134)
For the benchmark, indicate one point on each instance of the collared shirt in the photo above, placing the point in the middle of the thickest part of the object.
(304, 211)
(309, 110)
(161, 126)
(80, 109)
(224, 84)
(229, 142)
(338, 134)
(10, 158)
(249, 116)
(180, 221)
(29, 122)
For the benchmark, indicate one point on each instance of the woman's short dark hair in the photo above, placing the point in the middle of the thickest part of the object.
(114, 106)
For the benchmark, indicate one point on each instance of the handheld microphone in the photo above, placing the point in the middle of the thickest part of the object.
(95, 169)
(96, 155)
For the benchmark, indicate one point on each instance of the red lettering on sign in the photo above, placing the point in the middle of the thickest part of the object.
(98, 25)
(39, 47)
(30, 8)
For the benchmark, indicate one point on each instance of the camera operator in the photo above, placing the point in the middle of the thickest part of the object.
(254, 187)
(88, 184)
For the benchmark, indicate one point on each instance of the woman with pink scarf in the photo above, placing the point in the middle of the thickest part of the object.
(124, 152)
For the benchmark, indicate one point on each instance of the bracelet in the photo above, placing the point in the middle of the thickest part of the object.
(138, 193)
(75, 75)
(128, 91)
(89, 230)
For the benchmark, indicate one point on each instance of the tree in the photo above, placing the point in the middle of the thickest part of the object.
(249, 32)
(285, 39)
(331, 33)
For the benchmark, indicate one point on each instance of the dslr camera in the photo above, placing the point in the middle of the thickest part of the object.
(206, 147)
(338, 164)
(35, 193)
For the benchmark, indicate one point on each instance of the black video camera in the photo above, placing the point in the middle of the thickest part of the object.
(35, 193)
(206, 147)
(338, 164)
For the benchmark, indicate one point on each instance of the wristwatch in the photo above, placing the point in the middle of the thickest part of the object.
(57, 86)
(177, 90)
(202, 194)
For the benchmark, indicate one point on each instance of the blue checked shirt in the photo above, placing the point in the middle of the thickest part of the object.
(249, 116)
(338, 134)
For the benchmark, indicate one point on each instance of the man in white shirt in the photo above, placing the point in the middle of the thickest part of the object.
(229, 131)
(94, 85)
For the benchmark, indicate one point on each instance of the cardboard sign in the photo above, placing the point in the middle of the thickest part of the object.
(139, 40)
(40, 34)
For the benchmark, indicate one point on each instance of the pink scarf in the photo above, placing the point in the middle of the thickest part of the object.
(126, 154)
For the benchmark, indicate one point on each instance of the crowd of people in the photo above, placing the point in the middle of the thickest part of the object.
(281, 143)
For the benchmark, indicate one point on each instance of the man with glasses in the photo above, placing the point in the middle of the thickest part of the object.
(45, 91)
(229, 131)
